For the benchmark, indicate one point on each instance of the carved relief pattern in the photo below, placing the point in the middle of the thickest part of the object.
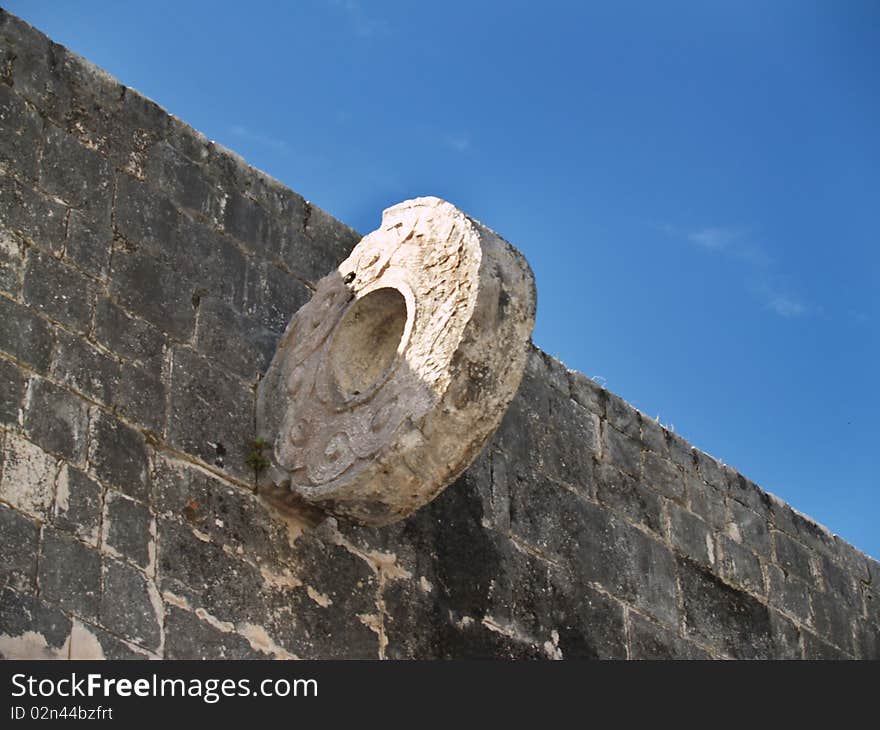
(326, 438)
(388, 383)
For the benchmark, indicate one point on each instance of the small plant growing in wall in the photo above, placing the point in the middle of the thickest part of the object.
(256, 458)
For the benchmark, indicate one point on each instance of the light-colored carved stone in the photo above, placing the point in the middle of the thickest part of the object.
(389, 382)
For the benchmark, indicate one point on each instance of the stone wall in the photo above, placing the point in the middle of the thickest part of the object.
(145, 277)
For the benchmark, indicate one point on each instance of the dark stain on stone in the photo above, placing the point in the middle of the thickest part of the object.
(190, 511)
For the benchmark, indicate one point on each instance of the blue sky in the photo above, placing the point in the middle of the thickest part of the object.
(696, 184)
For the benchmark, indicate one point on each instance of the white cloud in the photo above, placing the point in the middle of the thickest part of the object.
(277, 145)
(735, 244)
(786, 306)
(778, 298)
(460, 143)
(361, 23)
(714, 239)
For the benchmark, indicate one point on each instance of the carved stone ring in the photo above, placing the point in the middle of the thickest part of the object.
(389, 382)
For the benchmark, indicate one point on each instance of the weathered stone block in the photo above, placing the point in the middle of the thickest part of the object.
(70, 573)
(92, 642)
(140, 395)
(235, 341)
(272, 296)
(535, 506)
(57, 420)
(187, 141)
(739, 565)
(128, 530)
(569, 456)
(12, 249)
(76, 174)
(476, 483)
(663, 476)
(22, 131)
(130, 605)
(681, 452)
(628, 496)
(279, 200)
(19, 545)
(325, 230)
(7, 56)
(654, 436)
(690, 535)
(248, 221)
(466, 572)
(792, 556)
(145, 218)
(77, 507)
(853, 560)
(871, 596)
(28, 482)
(33, 71)
(523, 424)
(186, 637)
(706, 501)
(587, 392)
(786, 637)
(721, 616)
(318, 244)
(86, 369)
(88, 243)
(566, 617)
(600, 546)
(442, 593)
(867, 640)
(622, 416)
(35, 217)
(315, 619)
(747, 492)
(190, 559)
(498, 514)
(201, 574)
(91, 97)
(789, 594)
(838, 582)
(748, 527)
(31, 629)
(711, 470)
(649, 640)
(211, 413)
(127, 336)
(230, 515)
(58, 291)
(621, 451)
(12, 382)
(144, 115)
(185, 181)
(154, 291)
(834, 621)
(801, 527)
(484, 641)
(817, 649)
(25, 336)
(414, 621)
(556, 374)
(118, 456)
